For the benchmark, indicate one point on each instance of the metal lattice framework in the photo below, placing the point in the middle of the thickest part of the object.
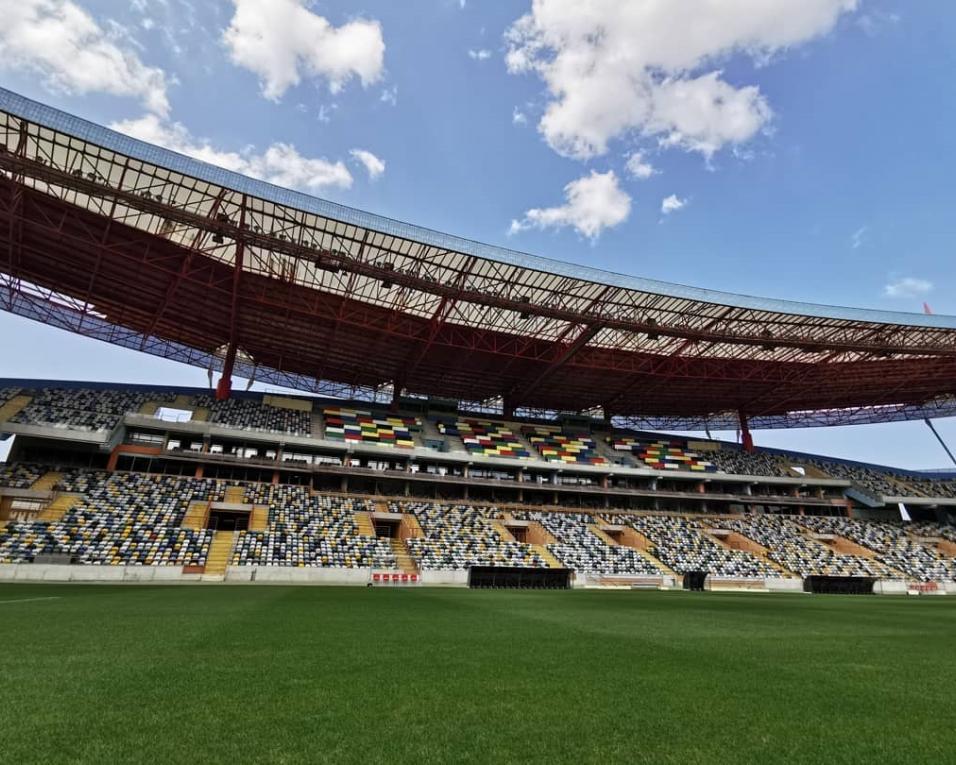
(129, 243)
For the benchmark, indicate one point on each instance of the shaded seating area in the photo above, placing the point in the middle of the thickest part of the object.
(251, 414)
(364, 426)
(663, 454)
(556, 445)
(485, 437)
(19, 475)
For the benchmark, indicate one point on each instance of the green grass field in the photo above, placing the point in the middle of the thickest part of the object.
(205, 674)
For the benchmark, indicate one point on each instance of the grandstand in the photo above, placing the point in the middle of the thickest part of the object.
(459, 407)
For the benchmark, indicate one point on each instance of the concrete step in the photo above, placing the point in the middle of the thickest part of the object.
(59, 507)
(364, 522)
(402, 557)
(220, 553)
(196, 516)
(545, 553)
(259, 518)
(13, 407)
(235, 495)
(47, 481)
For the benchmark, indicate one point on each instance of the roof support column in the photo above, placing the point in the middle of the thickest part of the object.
(745, 436)
(224, 388)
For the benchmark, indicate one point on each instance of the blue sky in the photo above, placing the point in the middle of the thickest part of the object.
(804, 145)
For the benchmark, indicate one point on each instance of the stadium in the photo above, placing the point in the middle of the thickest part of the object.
(446, 416)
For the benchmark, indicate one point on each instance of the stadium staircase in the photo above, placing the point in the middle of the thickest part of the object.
(317, 425)
(545, 553)
(13, 407)
(364, 523)
(234, 495)
(149, 408)
(613, 455)
(405, 561)
(637, 542)
(200, 413)
(47, 481)
(196, 516)
(59, 507)
(503, 532)
(737, 542)
(259, 518)
(220, 551)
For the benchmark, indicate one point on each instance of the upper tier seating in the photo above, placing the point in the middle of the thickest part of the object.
(580, 549)
(680, 543)
(491, 439)
(789, 545)
(894, 546)
(663, 454)
(555, 445)
(748, 463)
(878, 481)
(19, 475)
(306, 530)
(461, 536)
(7, 393)
(254, 415)
(130, 519)
(363, 426)
(83, 408)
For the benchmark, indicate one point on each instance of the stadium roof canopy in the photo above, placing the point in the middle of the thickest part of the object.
(130, 243)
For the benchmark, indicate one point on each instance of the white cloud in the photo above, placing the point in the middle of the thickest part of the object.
(70, 52)
(389, 95)
(646, 66)
(280, 163)
(673, 203)
(907, 287)
(518, 117)
(858, 237)
(372, 164)
(282, 41)
(479, 55)
(593, 203)
(639, 167)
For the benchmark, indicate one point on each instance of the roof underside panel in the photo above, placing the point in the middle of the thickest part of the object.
(102, 234)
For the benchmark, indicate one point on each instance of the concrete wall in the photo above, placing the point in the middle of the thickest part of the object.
(779, 584)
(889, 587)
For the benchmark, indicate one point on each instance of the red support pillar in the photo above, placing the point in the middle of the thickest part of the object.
(746, 438)
(224, 387)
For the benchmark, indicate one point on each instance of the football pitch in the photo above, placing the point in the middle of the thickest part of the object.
(231, 674)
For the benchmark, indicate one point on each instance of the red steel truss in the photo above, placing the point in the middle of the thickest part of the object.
(135, 253)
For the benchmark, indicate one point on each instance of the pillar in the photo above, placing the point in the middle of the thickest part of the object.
(745, 436)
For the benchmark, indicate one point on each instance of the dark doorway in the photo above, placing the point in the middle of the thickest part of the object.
(228, 520)
(839, 585)
(694, 580)
(386, 529)
(495, 577)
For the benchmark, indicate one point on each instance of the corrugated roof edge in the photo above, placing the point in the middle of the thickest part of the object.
(55, 119)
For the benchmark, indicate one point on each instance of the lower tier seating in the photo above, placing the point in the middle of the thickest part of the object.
(789, 545)
(580, 549)
(461, 536)
(892, 544)
(306, 530)
(681, 544)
